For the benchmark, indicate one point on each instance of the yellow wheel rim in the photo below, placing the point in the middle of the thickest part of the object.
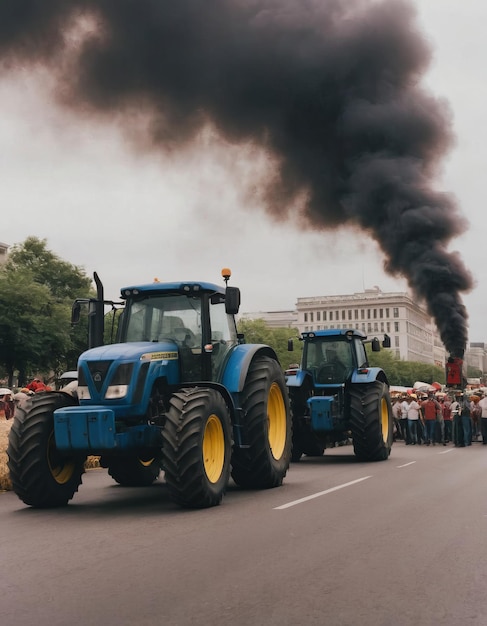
(213, 449)
(384, 414)
(61, 469)
(146, 463)
(276, 415)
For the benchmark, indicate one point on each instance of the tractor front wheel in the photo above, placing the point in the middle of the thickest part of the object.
(371, 421)
(197, 445)
(41, 476)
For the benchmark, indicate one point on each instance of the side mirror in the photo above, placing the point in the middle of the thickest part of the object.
(290, 345)
(375, 343)
(75, 312)
(232, 300)
(387, 342)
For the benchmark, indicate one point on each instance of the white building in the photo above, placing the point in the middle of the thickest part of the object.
(414, 336)
(476, 356)
(274, 319)
(413, 333)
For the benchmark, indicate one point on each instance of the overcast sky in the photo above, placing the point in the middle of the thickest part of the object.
(132, 217)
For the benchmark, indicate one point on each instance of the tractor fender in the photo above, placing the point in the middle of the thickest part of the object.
(368, 375)
(239, 362)
(297, 380)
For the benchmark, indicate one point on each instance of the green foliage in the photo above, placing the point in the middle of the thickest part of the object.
(405, 373)
(474, 372)
(256, 331)
(37, 290)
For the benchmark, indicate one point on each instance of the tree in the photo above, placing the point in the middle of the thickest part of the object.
(64, 280)
(37, 290)
(405, 373)
(257, 331)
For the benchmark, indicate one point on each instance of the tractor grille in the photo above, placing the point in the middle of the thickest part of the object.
(98, 372)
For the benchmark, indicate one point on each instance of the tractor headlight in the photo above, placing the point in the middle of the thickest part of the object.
(83, 392)
(120, 382)
(114, 392)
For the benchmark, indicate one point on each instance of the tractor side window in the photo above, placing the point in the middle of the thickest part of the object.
(361, 354)
(223, 335)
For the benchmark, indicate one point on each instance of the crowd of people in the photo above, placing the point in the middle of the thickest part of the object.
(9, 399)
(441, 419)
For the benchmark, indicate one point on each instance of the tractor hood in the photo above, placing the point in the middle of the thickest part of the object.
(117, 373)
(144, 350)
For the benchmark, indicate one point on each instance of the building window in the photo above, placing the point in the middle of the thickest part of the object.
(318, 316)
(343, 314)
(396, 327)
(306, 318)
(387, 312)
(376, 327)
(355, 314)
(362, 314)
(331, 315)
(388, 326)
(369, 327)
(381, 313)
(368, 314)
(395, 312)
(311, 317)
(396, 342)
(350, 314)
(382, 327)
(324, 316)
(375, 314)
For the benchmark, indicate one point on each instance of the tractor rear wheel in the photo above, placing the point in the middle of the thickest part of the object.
(197, 446)
(134, 471)
(264, 463)
(371, 421)
(41, 476)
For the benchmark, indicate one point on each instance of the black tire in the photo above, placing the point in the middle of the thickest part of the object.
(41, 476)
(134, 471)
(265, 403)
(197, 447)
(300, 447)
(371, 421)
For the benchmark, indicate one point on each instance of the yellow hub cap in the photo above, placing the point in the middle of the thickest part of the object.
(276, 415)
(213, 449)
(384, 416)
(61, 469)
(147, 463)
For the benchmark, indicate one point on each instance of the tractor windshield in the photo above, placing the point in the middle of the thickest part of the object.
(158, 317)
(330, 362)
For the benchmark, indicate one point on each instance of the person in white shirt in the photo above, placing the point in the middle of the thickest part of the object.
(404, 420)
(483, 418)
(414, 411)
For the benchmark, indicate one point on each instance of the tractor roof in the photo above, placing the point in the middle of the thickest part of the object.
(334, 332)
(181, 287)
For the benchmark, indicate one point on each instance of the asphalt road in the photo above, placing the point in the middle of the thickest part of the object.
(397, 543)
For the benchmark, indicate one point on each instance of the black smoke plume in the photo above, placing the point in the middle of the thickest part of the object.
(329, 88)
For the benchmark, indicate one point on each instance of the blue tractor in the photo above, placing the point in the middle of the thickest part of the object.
(335, 395)
(180, 391)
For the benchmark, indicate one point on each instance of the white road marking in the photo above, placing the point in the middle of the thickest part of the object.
(406, 464)
(446, 451)
(320, 493)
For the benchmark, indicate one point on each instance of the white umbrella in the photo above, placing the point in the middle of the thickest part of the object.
(4, 391)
